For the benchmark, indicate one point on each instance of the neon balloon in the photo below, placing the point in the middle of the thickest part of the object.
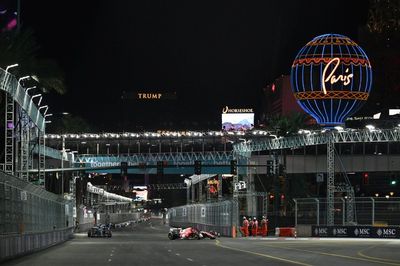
(331, 78)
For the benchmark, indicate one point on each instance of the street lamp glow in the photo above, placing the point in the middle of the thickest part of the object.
(35, 78)
(370, 127)
(11, 66)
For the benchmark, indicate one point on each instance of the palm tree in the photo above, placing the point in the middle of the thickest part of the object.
(287, 125)
(69, 124)
(22, 48)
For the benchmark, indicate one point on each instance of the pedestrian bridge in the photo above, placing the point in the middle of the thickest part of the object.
(146, 163)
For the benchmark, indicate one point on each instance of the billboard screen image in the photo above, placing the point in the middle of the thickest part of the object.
(237, 121)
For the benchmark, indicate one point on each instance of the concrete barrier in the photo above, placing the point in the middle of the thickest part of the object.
(15, 245)
(303, 230)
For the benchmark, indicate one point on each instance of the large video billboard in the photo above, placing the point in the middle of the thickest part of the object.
(237, 121)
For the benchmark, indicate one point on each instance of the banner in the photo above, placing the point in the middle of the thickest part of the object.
(385, 232)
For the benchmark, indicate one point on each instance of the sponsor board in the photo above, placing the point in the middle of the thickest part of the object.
(356, 231)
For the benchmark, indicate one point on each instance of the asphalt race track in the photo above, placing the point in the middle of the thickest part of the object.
(147, 244)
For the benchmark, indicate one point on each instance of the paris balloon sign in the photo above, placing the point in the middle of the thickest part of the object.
(331, 78)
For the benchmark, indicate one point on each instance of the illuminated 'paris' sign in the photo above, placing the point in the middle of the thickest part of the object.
(331, 78)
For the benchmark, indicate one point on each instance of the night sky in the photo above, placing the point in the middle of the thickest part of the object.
(212, 53)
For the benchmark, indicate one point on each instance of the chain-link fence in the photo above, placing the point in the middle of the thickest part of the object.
(366, 211)
(219, 216)
(26, 208)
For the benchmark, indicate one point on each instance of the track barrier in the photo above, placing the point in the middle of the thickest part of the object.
(286, 231)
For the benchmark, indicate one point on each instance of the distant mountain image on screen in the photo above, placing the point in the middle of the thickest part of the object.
(237, 121)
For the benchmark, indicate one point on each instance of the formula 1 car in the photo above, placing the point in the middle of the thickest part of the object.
(190, 233)
(100, 231)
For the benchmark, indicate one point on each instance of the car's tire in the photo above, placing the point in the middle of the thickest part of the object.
(193, 236)
(171, 236)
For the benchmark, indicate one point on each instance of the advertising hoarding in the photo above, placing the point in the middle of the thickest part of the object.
(237, 121)
(361, 231)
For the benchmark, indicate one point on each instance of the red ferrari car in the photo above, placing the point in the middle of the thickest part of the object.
(190, 233)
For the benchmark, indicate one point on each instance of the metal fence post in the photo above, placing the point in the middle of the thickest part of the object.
(343, 211)
(295, 212)
(317, 200)
(373, 211)
(193, 193)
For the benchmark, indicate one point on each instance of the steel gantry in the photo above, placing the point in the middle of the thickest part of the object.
(9, 135)
(323, 137)
(330, 182)
(18, 137)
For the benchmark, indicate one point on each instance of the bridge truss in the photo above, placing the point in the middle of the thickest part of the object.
(180, 158)
(318, 138)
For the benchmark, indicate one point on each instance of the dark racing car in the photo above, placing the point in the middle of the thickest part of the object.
(99, 231)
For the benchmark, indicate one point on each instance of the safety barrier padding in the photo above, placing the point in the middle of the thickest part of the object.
(286, 231)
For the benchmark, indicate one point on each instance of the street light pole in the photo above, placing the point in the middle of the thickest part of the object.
(62, 165)
(23, 78)
(28, 89)
(11, 66)
(42, 107)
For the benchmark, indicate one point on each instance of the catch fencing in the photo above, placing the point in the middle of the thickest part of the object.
(221, 217)
(31, 218)
(374, 211)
